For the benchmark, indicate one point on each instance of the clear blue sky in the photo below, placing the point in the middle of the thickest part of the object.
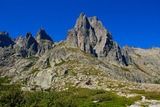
(132, 22)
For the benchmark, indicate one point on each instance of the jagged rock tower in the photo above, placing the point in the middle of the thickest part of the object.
(27, 46)
(44, 40)
(91, 36)
(5, 40)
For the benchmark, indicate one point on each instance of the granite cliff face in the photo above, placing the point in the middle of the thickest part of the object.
(89, 58)
(91, 36)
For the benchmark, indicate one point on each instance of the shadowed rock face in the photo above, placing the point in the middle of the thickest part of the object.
(30, 46)
(42, 35)
(82, 35)
(27, 46)
(44, 40)
(5, 40)
(91, 36)
(30, 42)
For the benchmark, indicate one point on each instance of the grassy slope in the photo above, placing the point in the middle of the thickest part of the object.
(12, 96)
(149, 95)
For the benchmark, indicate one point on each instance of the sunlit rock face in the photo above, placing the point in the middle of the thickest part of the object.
(29, 46)
(91, 36)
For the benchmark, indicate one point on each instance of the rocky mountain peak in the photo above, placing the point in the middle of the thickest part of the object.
(28, 35)
(42, 35)
(30, 41)
(45, 42)
(5, 40)
(91, 36)
(82, 22)
(27, 46)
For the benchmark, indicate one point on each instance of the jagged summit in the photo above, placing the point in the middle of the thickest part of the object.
(92, 37)
(82, 21)
(44, 41)
(42, 35)
(30, 42)
(5, 40)
(28, 46)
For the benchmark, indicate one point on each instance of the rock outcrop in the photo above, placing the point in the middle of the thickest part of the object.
(27, 46)
(5, 40)
(91, 36)
(44, 40)
(42, 35)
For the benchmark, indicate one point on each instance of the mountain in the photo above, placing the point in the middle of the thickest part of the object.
(88, 58)
(42, 35)
(5, 40)
(91, 36)
(44, 40)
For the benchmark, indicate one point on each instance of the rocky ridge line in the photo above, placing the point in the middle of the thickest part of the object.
(91, 36)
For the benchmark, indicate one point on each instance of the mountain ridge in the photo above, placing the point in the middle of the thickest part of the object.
(88, 55)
